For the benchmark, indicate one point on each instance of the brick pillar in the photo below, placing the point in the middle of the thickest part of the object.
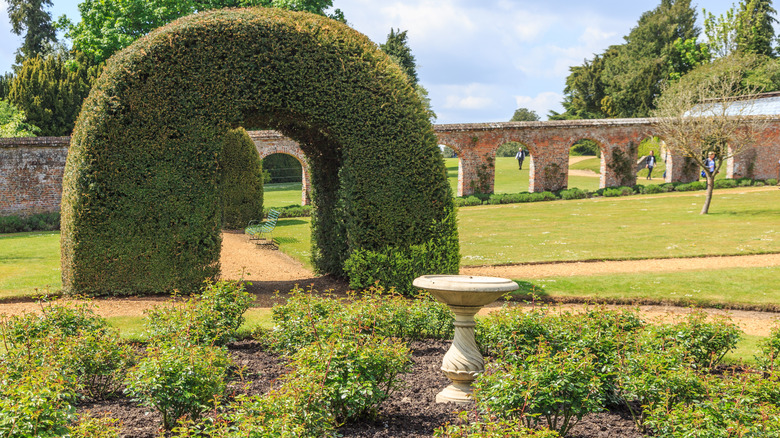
(681, 169)
(549, 169)
(618, 165)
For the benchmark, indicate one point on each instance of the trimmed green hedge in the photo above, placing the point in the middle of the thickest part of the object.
(241, 180)
(140, 210)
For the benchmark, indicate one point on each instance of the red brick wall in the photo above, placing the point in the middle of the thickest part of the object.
(31, 168)
(31, 174)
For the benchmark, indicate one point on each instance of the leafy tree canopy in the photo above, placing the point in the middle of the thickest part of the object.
(31, 19)
(524, 115)
(397, 48)
(12, 122)
(746, 27)
(108, 26)
(625, 80)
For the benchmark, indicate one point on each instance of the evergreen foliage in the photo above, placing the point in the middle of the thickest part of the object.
(29, 17)
(746, 28)
(282, 168)
(51, 89)
(625, 80)
(140, 207)
(241, 180)
(397, 48)
(109, 26)
(524, 115)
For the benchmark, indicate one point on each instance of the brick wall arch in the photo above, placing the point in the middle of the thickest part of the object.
(272, 142)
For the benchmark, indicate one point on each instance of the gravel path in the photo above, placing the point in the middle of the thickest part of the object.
(270, 270)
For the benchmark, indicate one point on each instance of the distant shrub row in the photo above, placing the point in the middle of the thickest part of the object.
(36, 222)
(575, 193)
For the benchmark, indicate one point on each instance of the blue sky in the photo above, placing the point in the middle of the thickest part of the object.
(479, 59)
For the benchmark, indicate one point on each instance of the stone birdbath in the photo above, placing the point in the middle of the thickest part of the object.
(465, 295)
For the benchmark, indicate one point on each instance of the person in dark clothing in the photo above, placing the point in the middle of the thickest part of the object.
(520, 157)
(649, 164)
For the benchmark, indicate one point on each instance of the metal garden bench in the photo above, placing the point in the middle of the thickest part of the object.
(262, 232)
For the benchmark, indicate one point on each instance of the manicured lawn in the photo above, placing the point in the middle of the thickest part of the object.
(29, 263)
(754, 287)
(648, 226)
(131, 328)
(281, 195)
(511, 180)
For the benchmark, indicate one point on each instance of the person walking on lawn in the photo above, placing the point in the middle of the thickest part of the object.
(649, 164)
(520, 157)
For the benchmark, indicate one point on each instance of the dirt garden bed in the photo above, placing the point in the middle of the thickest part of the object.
(411, 412)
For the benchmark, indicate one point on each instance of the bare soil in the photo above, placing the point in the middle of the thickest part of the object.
(411, 412)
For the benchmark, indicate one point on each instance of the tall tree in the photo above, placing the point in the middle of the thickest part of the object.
(30, 17)
(397, 47)
(635, 76)
(51, 89)
(701, 115)
(108, 26)
(755, 30)
(524, 115)
(746, 27)
(584, 95)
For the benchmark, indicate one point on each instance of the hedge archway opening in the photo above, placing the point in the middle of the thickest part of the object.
(140, 201)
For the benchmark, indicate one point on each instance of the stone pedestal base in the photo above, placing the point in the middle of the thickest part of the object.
(455, 393)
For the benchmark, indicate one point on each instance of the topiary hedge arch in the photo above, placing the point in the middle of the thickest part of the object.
(140, 209)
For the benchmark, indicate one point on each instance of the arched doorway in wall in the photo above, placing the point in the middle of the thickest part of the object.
(285, 178)
(452, 164)
(658, 148)
(585, 164)
(510, 176)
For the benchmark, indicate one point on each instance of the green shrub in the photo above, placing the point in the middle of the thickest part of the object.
(97, 362)
(141, 199)
(771, 182)
(55, 319)
(36, 403)
(649, 375)
(705, 343)
(467, 201)
(690, 187)
(731, 406)
(291, 211)
(611, 192)
(356, 374)
(91, 427)
(725, 184)
(573, 193)
(491, 427)
(653, 189)
(240, 180)
(554, 389)
(758, 183)
(745, 182)
(211, 318)
(399, 265)
(307, 317)
(35, 222)
(179, 380)
(769, 351)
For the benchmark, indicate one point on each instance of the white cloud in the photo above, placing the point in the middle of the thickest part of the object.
(542, 103)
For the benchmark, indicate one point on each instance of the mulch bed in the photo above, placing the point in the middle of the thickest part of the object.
(411, 412)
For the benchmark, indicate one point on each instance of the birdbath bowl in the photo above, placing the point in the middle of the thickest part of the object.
(465, 295)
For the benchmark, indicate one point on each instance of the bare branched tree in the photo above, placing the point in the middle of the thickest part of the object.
(711, 110)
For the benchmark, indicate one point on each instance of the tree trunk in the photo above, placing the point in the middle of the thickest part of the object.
(708, 198)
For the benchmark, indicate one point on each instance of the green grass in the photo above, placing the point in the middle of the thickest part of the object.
(745, 352)
(621, 228)
(281, 194)
(294, 237)
(131, 328)
(593, 164)
(734, 287)
(29, 263)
